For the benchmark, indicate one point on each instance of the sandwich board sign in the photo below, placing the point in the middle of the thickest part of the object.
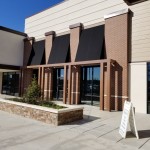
(128, 116)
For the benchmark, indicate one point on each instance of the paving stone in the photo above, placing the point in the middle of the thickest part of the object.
(97, 131)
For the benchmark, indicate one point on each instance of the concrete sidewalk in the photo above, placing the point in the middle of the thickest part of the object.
(97, 131)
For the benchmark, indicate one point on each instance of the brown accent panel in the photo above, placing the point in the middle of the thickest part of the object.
(74, 41)
(27, 50)
(48, 45)
(117, 41)
(82, 63)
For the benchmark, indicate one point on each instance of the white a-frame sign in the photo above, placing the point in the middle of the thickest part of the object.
(128, 116)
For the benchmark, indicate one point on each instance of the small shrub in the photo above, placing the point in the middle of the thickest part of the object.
(33, 92)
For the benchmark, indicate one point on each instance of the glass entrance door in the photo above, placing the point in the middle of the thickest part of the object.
(58, 83)
(90, 85)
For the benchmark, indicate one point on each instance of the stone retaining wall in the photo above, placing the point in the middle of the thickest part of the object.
(47, 115)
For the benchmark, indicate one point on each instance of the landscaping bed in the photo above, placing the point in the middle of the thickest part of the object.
(59, 116)
(43, 103)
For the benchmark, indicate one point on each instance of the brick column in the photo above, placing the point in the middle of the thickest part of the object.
(109, 103)
(75, 80)
(26, 79)
(74, 39)
(102, 86)
(75, 85)
(48, 44)
(78, 75)
(42, 81)
(28, 42)
(69, 83)
(39, 76)
(46, 84)
(50, 84)
(117, 42)
(48, 75)
(26, 74)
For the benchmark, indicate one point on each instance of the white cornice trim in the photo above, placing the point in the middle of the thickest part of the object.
(117, 13)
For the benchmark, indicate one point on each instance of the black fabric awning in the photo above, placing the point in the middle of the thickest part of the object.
(91, 44)
(37, 56)
(60, 49)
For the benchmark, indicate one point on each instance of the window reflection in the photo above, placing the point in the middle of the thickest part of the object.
(58, 83)
(90, 85)
(10, 83)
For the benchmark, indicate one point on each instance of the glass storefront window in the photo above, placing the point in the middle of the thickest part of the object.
(10, 83)
(58, 83)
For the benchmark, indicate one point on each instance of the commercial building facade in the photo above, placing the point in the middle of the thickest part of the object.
(93, 52)
(11, 60)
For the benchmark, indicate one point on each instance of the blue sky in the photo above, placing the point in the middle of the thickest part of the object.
(14, 12)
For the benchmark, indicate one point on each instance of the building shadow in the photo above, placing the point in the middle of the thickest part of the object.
(142, 134)
(86, 119)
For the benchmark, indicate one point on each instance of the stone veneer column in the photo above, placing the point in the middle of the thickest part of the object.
(48, 75)
(75, 82)
(117, 42)
(26, 74)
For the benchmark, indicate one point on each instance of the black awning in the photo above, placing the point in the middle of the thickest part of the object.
(37, 56)
(91, 44)
(60, 49)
